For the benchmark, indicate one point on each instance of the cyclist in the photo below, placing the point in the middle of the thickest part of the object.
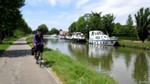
(38, 42)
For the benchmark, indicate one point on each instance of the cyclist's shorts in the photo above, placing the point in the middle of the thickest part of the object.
(39, 47)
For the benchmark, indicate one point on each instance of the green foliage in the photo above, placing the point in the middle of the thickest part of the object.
(129, 22)
(125, 32)
(72, 27)
(93, 21)
(18, 33)
(11, 18)
(143, 21)
(148, 38)
(70, 71)
(133, 44)
(96, 22)
(43, 28)
(117, 27)
(6, 43)
(80, 24)
(73, 72)
(108, 24)
(54, 31)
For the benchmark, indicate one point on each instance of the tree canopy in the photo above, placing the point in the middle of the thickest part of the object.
(43, 28)
(11, 18)
(54, 31)
(106, 24)
(93, 21)
(143, 22)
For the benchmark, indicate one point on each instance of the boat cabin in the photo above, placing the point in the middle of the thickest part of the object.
(98, 35)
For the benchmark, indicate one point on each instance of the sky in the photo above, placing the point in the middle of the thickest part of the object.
(61, 13)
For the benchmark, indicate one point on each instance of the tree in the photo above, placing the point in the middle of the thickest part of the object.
(117, 27)
(93, 21)
(96, 21)
(81, 25)
(72, 27)
(10, 17)
(108, 24)
(23, 26)
(143, 21)
(54, 31)
(129, 22)
(130, 30)
(43, 28)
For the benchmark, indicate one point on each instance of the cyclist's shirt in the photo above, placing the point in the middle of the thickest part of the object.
(38, 39)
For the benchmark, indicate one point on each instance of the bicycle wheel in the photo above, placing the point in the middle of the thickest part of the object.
(40, 60)
(37, 57)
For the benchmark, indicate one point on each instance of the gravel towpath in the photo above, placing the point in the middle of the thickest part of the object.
(17, 66)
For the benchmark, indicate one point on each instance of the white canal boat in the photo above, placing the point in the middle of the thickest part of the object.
(98, 37)
(78, 37)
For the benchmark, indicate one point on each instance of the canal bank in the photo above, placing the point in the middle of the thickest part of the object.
(125, 65)
(71, 71)
(135, 44)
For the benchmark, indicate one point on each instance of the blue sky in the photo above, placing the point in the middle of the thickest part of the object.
(61, 13)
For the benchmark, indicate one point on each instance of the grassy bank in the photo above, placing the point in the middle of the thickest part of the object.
(134, 44)
(70, 71)
(6, 43)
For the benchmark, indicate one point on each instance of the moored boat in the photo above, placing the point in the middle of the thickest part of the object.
(78, 37)
(68, 37)
(98, 37)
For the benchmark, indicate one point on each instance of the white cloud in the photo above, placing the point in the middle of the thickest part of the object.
(120, 8)
(50, 2)
(59, 2)
(64, 2)
(81, 3)
(74, 9)
(53, 2)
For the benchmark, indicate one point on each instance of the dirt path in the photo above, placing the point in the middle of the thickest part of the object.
(17, 66)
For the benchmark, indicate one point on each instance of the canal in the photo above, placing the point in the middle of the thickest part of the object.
(125, 65)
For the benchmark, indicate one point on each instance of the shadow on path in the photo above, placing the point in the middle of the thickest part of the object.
(16, 53)
(48, 64)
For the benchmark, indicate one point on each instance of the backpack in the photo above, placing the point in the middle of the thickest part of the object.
(32, 50)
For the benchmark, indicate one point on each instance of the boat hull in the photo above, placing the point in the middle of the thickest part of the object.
(79, 40)
(103, 42)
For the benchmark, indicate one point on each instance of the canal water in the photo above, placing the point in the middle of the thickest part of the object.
(125, 65)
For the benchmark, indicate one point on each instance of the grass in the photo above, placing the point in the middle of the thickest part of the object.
(6, 43)
(70, 71)
(135, 44)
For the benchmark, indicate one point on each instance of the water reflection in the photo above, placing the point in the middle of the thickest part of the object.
(93, 55)
(140, 73)
(126, 65)
(96, 50)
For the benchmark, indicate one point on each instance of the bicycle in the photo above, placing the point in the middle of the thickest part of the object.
(39, 58)
(38, 55)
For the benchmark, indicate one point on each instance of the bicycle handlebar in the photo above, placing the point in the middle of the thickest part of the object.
(40, 43)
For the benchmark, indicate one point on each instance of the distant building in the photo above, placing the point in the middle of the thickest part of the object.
(64, 33)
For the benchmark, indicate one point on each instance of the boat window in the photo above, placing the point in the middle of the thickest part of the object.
(92, 33)
(99, 33)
